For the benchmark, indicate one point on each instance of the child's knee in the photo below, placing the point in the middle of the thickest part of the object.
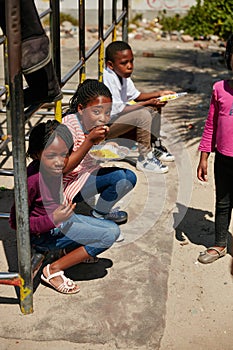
(111, 235)
(131, 177)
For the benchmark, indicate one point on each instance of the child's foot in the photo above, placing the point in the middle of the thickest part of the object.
(152, 164)
(59, 282)
(211, 254)
(162, 153)
(118, 216)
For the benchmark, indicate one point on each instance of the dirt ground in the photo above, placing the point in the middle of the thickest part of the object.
(199, 301)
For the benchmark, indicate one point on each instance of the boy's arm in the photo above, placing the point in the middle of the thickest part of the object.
(154, 94)
(150, 99)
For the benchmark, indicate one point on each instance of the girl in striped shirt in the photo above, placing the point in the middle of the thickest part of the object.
(90, 108)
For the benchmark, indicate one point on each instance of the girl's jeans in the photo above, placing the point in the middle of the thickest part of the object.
(96, 235)
(112, 184)
(223, 171)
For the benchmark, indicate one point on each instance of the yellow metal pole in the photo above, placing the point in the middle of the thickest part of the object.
(101, 60)
(58, 111)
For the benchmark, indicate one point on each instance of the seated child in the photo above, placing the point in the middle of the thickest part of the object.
(142, 115)
(53, 224)
(90, 109)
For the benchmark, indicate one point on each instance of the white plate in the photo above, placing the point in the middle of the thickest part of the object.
(169, 97)
(113, 152)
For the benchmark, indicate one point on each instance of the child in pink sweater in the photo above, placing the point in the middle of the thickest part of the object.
(217, 137)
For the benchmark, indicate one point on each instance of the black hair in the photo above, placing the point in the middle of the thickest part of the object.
(43, 134)
(86, 92)
(113, 48)
(229, 51)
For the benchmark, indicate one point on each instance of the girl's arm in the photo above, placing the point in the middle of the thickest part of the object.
(95, 136)
(203, 166)
(37, 224)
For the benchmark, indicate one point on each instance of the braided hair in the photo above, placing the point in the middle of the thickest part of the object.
(43, 134)
(229, 51)
(115, 47)
(86, 92)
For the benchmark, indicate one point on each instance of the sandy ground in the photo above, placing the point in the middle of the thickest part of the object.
(199, 306)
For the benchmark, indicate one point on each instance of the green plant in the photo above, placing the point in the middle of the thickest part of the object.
(169, 23)
(209, 17)
(137, 18)
(205, 18)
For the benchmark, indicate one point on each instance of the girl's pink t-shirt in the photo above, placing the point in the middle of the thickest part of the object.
(218, 131)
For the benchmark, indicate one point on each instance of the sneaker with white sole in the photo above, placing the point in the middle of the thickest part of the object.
(120, 238)
(162, 153)
(152, 164)
(118, 216)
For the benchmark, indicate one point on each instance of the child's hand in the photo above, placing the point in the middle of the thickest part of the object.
(202, 171)
(63, 212)
(154, 102)
(203, 167)
(98, 134)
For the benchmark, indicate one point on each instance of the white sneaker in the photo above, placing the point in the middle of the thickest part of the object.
(151, 163)
(120, 238)
(162, 153)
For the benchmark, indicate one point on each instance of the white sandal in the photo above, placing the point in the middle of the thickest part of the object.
(66, 287)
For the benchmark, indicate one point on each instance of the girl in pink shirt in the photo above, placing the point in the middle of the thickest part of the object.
(217, 137)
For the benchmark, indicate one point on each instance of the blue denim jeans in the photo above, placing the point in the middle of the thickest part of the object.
(223, 171)
(96, 235)
(111, 183)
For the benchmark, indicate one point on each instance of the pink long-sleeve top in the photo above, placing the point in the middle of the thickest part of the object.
(218, 131)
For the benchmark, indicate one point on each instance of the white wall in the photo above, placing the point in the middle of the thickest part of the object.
(149, 8)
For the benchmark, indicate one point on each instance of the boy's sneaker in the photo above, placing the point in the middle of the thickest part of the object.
(120, 238)
(162, 153)
(151, 163)
(118, 216)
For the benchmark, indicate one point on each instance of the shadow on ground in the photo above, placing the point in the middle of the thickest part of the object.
(197, 226)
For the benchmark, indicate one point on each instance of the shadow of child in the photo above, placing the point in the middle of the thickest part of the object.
(197, 226)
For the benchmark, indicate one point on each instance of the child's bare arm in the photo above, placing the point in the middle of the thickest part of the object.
(150, 99)
(202, 168)
(144, 96)
(95, 136)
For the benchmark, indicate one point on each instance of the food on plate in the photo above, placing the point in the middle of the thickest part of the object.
(104, 153)
(171, 96)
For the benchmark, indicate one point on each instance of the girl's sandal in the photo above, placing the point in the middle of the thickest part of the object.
(66, 287)
(207, 258)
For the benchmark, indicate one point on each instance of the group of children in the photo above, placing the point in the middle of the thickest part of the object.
(63, 174)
